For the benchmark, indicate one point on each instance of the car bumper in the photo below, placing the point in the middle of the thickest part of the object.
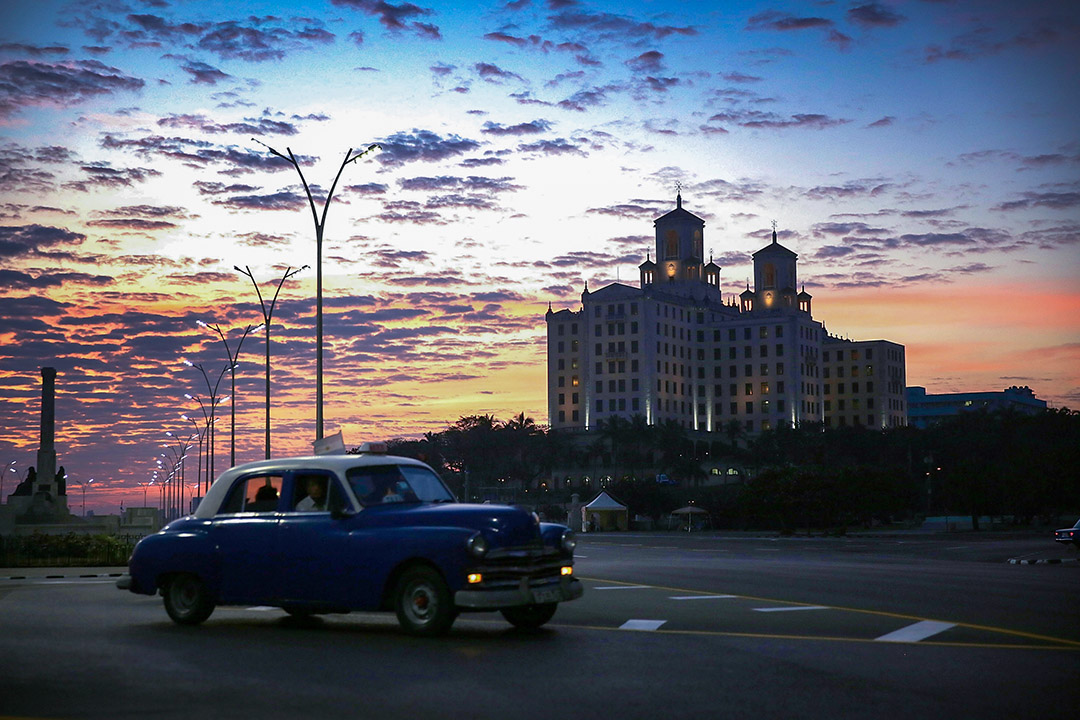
(523, 594)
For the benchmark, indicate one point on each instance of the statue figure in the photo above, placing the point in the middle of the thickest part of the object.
(26, 487)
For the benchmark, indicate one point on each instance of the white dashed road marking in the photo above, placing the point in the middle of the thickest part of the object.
(261, 608)
(916, 632)
(642, 624)
(791, 609)
(622, 587)
(700, 597)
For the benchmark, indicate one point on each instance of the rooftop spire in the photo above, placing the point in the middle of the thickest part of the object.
(678, 194)
(774, 232)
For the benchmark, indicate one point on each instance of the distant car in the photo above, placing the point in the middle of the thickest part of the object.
(386, 534)
(1069, 535)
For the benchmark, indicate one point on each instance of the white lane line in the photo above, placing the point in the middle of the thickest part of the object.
(642, 624)
(261, 608)
(916, 632)
(700, 597)
(791, 609)
(621, 587)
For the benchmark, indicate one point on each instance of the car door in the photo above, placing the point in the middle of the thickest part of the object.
(313, 543)
(244, 535)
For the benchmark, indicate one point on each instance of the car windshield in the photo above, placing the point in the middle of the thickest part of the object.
(380, 484)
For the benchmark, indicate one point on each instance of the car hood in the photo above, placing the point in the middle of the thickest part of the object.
(502, 525)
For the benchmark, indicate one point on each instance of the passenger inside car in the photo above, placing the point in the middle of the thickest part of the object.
(315, 501)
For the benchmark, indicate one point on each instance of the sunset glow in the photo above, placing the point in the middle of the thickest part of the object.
(920, 157)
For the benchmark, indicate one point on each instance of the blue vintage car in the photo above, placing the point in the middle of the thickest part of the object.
(336, 533)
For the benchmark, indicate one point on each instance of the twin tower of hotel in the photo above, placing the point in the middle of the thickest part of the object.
(671, 349)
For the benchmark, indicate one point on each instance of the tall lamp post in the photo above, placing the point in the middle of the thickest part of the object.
(10, 467)
(84, 495)
(268, 314)
(208, 416)
(320, 224)
(198, 434)
(232, 372)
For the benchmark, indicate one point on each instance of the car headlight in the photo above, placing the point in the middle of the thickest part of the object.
(477, 545)
(568, 541)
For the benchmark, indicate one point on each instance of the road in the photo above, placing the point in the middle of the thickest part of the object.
(670, 626)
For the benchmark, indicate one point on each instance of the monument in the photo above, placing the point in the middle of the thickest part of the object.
(42, 496)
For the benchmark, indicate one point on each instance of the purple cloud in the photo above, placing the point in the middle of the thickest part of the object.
(28, 83)
(395, 18)
(874, 15)
(422, 145)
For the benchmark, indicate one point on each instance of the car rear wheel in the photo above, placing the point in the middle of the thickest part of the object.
(530, 617)
(187, 600)
(423, 603)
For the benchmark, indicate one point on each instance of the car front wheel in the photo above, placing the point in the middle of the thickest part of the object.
(187, 600)
(423, 603)
(530, 617)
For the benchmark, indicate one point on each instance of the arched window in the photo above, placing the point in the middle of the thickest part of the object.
(770, 275)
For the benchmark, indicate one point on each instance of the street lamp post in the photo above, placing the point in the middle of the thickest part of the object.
(3, 475)
(232, 373)
(199, 435)
(268, 314)
(84, 495)
(208, 416)
(320, 224)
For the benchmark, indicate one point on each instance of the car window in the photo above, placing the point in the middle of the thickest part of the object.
(382, 484)
(256, 493)
(316, 491)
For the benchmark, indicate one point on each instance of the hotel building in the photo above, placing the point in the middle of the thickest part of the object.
(672, 349)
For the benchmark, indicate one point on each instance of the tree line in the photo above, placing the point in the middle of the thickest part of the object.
(977, 464)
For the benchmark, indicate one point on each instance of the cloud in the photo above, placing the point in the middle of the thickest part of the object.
(103, 175)
(249, 126)
(26, 240)
(203, 74)
(199, 153)
(874, 15)
(883, 122)
(471, 184)
(23, 49)
(768, 120)
(422, 145)
(132, 224)
(982, 40)
(530, 128)
(280, 200)
(493, 73)
(254, 43)
(558, 146)
(395, 18)
(606, 26)
(651, 61)
(28, 83)
(775, 20)
(1052, 200)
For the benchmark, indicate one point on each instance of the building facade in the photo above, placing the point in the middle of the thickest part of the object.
(926, 409)
(671, 349)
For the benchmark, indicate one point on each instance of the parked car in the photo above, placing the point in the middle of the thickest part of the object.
(1069, 535)
(336, 533)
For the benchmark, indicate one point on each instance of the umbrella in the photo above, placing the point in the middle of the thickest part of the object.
(688, 511)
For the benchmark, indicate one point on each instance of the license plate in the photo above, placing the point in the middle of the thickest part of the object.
(547, 595)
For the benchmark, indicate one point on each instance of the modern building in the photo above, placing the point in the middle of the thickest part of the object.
(925, 409)
(673, 349)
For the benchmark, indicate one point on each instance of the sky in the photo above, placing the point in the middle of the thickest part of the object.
(920, 156)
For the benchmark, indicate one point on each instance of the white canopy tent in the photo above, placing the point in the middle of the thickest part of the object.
(604, 513)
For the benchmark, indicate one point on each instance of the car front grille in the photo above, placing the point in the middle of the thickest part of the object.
(509, 566)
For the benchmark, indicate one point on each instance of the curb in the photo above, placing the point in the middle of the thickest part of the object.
(60, 577)
(1047, 561)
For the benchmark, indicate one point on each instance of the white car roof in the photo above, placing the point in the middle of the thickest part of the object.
(337, 464)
